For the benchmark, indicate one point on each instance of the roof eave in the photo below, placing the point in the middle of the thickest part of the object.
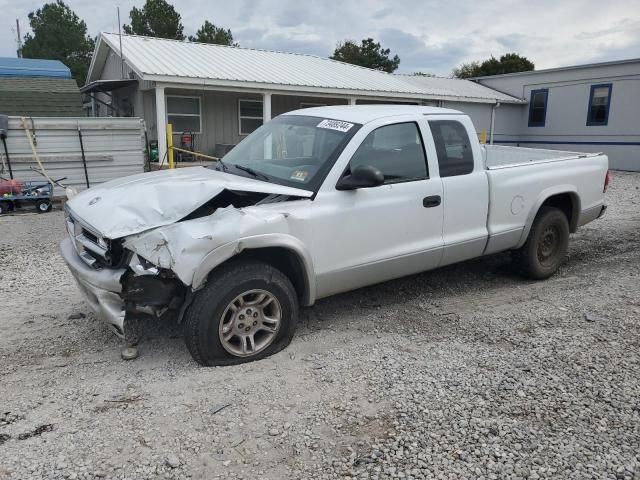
(169, 81)
(92, 65)
(101, 44)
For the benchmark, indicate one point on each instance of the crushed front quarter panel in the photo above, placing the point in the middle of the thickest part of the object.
(181, 247)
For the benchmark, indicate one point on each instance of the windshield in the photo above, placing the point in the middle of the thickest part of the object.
(292, 150)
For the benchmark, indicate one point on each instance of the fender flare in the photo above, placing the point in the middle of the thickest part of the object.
(224, 252)
(543, 197)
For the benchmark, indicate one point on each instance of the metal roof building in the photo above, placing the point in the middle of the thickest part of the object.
(221, 93)
(34, 87)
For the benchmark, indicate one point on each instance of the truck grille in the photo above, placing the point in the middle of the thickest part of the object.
(94, 250)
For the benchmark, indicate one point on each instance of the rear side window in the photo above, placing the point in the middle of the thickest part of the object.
(453, 147)
(396, 150)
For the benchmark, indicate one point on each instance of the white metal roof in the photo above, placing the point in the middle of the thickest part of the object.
(181, 62)
(367, 113)
(457, 87)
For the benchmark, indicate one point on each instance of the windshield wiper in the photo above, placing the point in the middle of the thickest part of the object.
(252, 172)
(222, 165)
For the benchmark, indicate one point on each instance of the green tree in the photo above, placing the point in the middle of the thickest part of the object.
(508, 63)
(209, 33)
(156, 18)
(59, 34)
(368, 54)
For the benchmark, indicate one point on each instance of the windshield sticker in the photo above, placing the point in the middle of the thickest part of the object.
(335, 125)
(299, 175)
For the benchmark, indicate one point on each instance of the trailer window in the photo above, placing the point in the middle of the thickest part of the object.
(453, 147)
(599, 101)
(538, 107)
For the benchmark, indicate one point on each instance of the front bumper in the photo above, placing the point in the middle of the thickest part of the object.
(101, 288)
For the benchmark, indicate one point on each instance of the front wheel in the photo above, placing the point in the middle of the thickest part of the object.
(248, 310)
(546, 246)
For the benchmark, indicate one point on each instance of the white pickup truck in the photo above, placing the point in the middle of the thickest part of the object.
(316, 202)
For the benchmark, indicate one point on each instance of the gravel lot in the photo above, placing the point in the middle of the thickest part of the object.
(464, 372)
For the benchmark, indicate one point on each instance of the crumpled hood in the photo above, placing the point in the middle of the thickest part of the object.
(131, 205)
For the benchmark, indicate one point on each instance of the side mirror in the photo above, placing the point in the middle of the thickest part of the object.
(362, 176)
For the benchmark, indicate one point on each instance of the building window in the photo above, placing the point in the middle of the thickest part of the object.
(538, 107)
(183, 113)
(251, 117)
(311, 104)
(599, 102)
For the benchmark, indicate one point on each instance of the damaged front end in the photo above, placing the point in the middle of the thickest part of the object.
(151, 270)
(118, 294)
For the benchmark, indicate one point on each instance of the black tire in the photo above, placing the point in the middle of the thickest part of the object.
(202, 329)
(43, 206)
(546, 246)
(5, 207)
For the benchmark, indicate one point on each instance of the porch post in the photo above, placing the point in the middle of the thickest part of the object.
(493, 120)
(352, 101)
(161, 123)
(266, 107)
(266, 116)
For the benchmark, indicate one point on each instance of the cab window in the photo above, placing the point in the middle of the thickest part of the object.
(396, 150)
(453, 147)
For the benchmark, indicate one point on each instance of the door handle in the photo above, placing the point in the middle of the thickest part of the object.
(432, 201)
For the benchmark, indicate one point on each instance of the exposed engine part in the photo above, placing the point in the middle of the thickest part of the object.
(163, 290)
(227, 198)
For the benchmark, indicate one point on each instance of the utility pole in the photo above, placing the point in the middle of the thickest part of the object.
(120, 38)
(19, 38)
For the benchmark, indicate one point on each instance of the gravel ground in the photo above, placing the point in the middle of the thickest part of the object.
(464, 372)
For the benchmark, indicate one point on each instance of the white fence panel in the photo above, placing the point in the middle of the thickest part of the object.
(113, 147)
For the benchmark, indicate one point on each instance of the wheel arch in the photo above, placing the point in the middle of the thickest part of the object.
(563, 197)
(284, 252)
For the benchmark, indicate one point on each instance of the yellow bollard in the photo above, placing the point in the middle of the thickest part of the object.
(483, 136)
(170, 145)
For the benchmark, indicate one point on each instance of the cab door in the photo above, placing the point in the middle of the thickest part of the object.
(369, 235)
(465, 187)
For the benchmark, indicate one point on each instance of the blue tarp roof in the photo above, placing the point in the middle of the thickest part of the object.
(31, 67)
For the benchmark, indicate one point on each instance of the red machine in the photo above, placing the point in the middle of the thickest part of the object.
(11, 187)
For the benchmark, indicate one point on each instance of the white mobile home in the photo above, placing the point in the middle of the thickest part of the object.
(590, 108)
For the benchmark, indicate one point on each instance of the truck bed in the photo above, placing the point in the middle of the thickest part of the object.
(521, 178)
(500, 156)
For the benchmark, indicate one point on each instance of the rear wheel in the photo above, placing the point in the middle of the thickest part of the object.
(5, 207)
(43, 206)
(546, 246)
(248, 310)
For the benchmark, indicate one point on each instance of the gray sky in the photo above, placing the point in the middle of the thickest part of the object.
(428, 35)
